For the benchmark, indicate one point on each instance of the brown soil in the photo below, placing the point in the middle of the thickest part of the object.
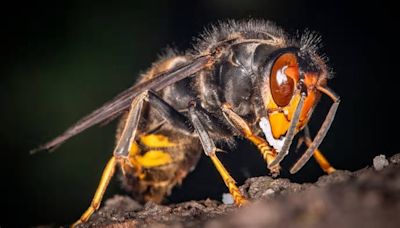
(366, 198)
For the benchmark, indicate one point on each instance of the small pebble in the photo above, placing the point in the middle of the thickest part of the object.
(227, 198)
(380, 162)
(395, 159)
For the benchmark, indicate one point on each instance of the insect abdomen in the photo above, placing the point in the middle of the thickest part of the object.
(159, 161)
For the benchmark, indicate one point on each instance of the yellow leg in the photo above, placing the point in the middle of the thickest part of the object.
(266, 151)
(105, 180)
(229, 181)
(320, 158)
(323, 163)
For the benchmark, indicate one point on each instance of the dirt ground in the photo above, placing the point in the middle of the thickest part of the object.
(366, 198)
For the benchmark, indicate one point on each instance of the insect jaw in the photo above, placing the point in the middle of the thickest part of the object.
(265, 126)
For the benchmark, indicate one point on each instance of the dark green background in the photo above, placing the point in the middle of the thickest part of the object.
(60, 60)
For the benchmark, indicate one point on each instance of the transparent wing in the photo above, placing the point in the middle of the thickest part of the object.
(122, 102)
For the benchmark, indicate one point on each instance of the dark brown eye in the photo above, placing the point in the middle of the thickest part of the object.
(284, 73)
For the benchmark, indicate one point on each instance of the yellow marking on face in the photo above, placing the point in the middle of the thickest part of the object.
(156, 141)
(279, 124)
(154, 158)
(280, 120)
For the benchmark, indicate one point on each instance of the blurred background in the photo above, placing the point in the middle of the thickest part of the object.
(62, 59)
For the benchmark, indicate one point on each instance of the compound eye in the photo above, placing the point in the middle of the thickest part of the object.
(284, 73)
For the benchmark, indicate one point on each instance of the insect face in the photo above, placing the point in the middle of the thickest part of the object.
(288, 75)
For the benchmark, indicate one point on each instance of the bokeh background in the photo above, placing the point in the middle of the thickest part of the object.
(62, 59)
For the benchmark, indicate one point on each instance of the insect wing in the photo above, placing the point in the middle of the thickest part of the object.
(122, 102)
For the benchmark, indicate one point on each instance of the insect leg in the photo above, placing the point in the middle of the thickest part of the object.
(318, 156)
(130, 128)
(120, 154)
(210, 149)
(105, 180)
(265, 149)
(169, 113)
(322, 131)
(127, 147)
(321, 160)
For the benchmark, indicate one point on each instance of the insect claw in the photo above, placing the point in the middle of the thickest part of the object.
(275, 171)
(221, 150)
